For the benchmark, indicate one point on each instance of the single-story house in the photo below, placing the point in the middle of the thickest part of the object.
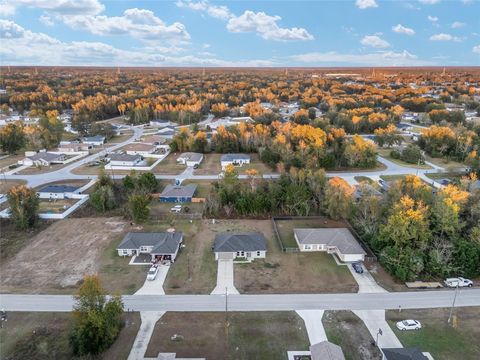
(167, 132)
(403, 354)
(124, 159)
(139, 149)
(190, 158)
(96, 140)
(234, 159)
(326, 350)
(232, 245)
(154, 139)
(339, 241)
(43, 159)
(178, 193)
(73, 147)
(160, 245)
(162, 123)
(365, 190)
(56, 191)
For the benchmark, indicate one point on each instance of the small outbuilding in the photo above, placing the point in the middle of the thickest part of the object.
(339, 241)
(249, 245)
(178, 193)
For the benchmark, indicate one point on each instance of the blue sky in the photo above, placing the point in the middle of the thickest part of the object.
(240, 33)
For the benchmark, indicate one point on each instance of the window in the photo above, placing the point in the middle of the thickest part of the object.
(238, 253)
(143, 249)
(258, 253)
(125, 252)
(242, 254)
(307, 247)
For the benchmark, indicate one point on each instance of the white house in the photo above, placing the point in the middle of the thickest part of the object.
(140, 149)
(249, 246)
(161, 245)
(97, 140)
(57, 191)
(124, 160)
(190, 158)
(43, 159)
(234, 159)
(339, 241)
(168, 132)
(73, 146)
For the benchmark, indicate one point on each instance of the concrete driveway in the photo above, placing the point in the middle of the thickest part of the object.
(366, 282)
(374, 320)
(225, 278)
(149, 319)
(314, 325)
(155, 287)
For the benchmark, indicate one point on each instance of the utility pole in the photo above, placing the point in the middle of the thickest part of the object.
(226, 320)
(453, 304)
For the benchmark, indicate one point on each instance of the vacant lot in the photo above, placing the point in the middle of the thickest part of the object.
(285, 228)
(6, 160)
(6, 185)
(42, 336)
(445, 163)
(254, 335)
(281, 272)
(55, 259)
(346, 330)
(386, 154)
(203, 187)
(443, 341)
(169, 166)
(57, 206)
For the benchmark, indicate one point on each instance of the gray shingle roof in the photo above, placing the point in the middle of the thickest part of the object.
(403, 354)
(124, 157)
(342, 238)
(95, 138)
(232, 242)
(58, 189)
(179, 191)
(46, 156)
(163, 242)
(191, 156)
(325, 350)
(233, 157)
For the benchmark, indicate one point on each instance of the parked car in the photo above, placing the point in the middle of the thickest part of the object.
(152, 273)
(176, 209)
(460, 282)
(409, 325)
(196, 166)
(357, 267)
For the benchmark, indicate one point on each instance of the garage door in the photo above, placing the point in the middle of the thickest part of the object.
(225, 256)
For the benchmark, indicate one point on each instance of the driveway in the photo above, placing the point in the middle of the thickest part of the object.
(225, 278)
(366, 282)
(314, 325)
(155, 287)
(375, 320)
(149, 319)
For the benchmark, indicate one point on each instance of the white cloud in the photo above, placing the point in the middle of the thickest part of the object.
(63, 7)
(444, 37)
(432, 18)
(457, 24)
(381, 58)
(138, 23)
(266, 26)
(476, 49)
(374, 41)
(400, 29)
(219, 12)
(365, 4)
(46, 20)
(261, 23)
(429, 2)
(6, 9)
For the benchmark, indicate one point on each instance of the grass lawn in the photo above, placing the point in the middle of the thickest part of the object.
(210, 165)
(281, 273)
(349, 332)
(55, 206)
(442, 340)
(169, 166)
(257, 164)
(195, 268)
(203, 187)
(120, 138)
(285, 228)
(42, 336)
(392, 177)
(386, 154)
(253, 335)
(384, 279)
(448, 165)
(446, 175)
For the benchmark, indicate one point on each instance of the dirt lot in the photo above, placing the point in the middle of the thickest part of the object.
(346, 330)
(169, 166)
(43, 336)
(445, 342)
(287, 272)
(56, 259)
(6, 185)
(254, 335)
(6, 160)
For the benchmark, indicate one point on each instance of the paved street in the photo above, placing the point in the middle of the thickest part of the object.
(284, 302)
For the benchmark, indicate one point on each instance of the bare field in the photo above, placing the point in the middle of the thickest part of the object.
(6, 185)
(56, 259)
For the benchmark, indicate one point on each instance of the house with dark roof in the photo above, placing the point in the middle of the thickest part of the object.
(117, 159)
(234, 159)
(160, 245)
(326, 350)
(57, 191)
(96, 140)
(190, 158)
(403, 354)
(178, 193)
(338, 241)
(251, 245)
(43, 159)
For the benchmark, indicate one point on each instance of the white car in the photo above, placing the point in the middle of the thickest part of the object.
(460, 282)
(409, 325)
(152, 273)
(176, 208)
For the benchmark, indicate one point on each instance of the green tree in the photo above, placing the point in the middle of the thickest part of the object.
(96, 320)
(24, 205)
(103, 195)
(12, 137)
(138, 208)
(147, 182)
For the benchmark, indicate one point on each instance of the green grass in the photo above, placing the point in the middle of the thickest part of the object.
(386, 154)
(439, 338)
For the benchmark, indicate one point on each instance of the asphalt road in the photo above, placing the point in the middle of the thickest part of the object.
(284, 302)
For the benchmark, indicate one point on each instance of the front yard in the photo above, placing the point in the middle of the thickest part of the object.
(169, 166)
(252, 335)
(211, 165)
(443, 341)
